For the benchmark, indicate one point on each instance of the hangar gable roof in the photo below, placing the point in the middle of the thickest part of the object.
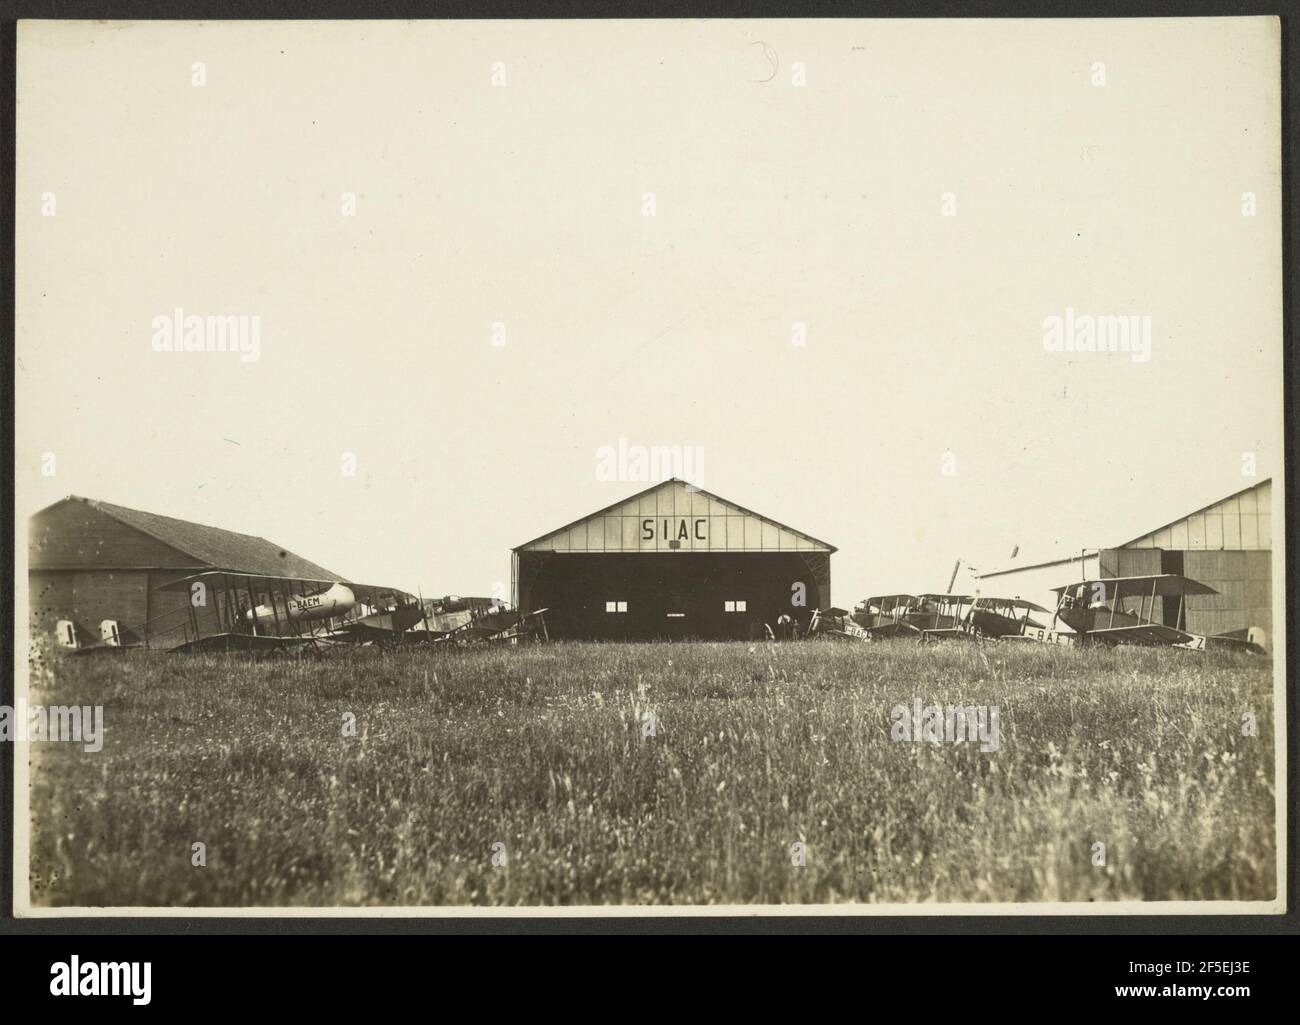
(212, 546)
(1259, 493)
(674, 516)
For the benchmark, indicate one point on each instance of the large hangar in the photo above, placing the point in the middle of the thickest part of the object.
(1227, 545)
(95, 568)
(671, 561)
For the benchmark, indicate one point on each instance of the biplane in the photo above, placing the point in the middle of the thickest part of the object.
(940, 616)
(835, 623)
(885, 615)
(1003, 617)
(241, 612)
(508, 626)
(391, 625)
(1102, 610)
(443, 616)
(472, 620)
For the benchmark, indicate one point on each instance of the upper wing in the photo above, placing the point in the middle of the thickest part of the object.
(223, 579)
(369, 594)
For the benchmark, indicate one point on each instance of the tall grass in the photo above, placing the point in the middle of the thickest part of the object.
(755, 748)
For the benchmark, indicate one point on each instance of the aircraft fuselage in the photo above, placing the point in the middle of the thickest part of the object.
(336, 601)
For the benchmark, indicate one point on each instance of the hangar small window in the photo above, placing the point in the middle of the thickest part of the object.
(735, 606)
(615, 606)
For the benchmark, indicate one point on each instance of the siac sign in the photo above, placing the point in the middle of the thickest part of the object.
(681, 529)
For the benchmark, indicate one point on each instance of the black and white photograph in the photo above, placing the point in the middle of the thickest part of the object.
(648, 467)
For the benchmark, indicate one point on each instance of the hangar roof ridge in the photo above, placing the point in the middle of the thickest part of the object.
(214, 546)
(655, 487)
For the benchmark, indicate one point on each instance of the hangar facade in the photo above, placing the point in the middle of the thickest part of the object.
(92, 563)
(1227, 545)
(671, 561)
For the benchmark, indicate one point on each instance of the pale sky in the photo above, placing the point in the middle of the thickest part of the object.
(775, 204)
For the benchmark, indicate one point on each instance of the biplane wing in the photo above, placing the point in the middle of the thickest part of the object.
(379, 626)
(887, 600)
(1162, 585)
(1019, 604)
(886, 605)
(226, 580)
(895, 629)
(489, 626)
(1142, 633)
(246, 642)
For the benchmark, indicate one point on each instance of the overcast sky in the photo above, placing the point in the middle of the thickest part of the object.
(524, 204)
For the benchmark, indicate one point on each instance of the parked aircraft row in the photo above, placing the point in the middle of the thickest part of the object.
(1112, 610)
(279, 614)
(272, 614)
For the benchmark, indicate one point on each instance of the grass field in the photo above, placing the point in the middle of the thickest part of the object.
(755, 748)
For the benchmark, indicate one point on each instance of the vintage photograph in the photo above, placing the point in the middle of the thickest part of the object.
(649, 467)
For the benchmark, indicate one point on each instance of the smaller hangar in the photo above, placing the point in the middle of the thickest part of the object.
(1227, 545)
(671, 561)
(94, 569)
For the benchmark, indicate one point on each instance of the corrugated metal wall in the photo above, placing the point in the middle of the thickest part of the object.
(1243, 522)
(1244, 581)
